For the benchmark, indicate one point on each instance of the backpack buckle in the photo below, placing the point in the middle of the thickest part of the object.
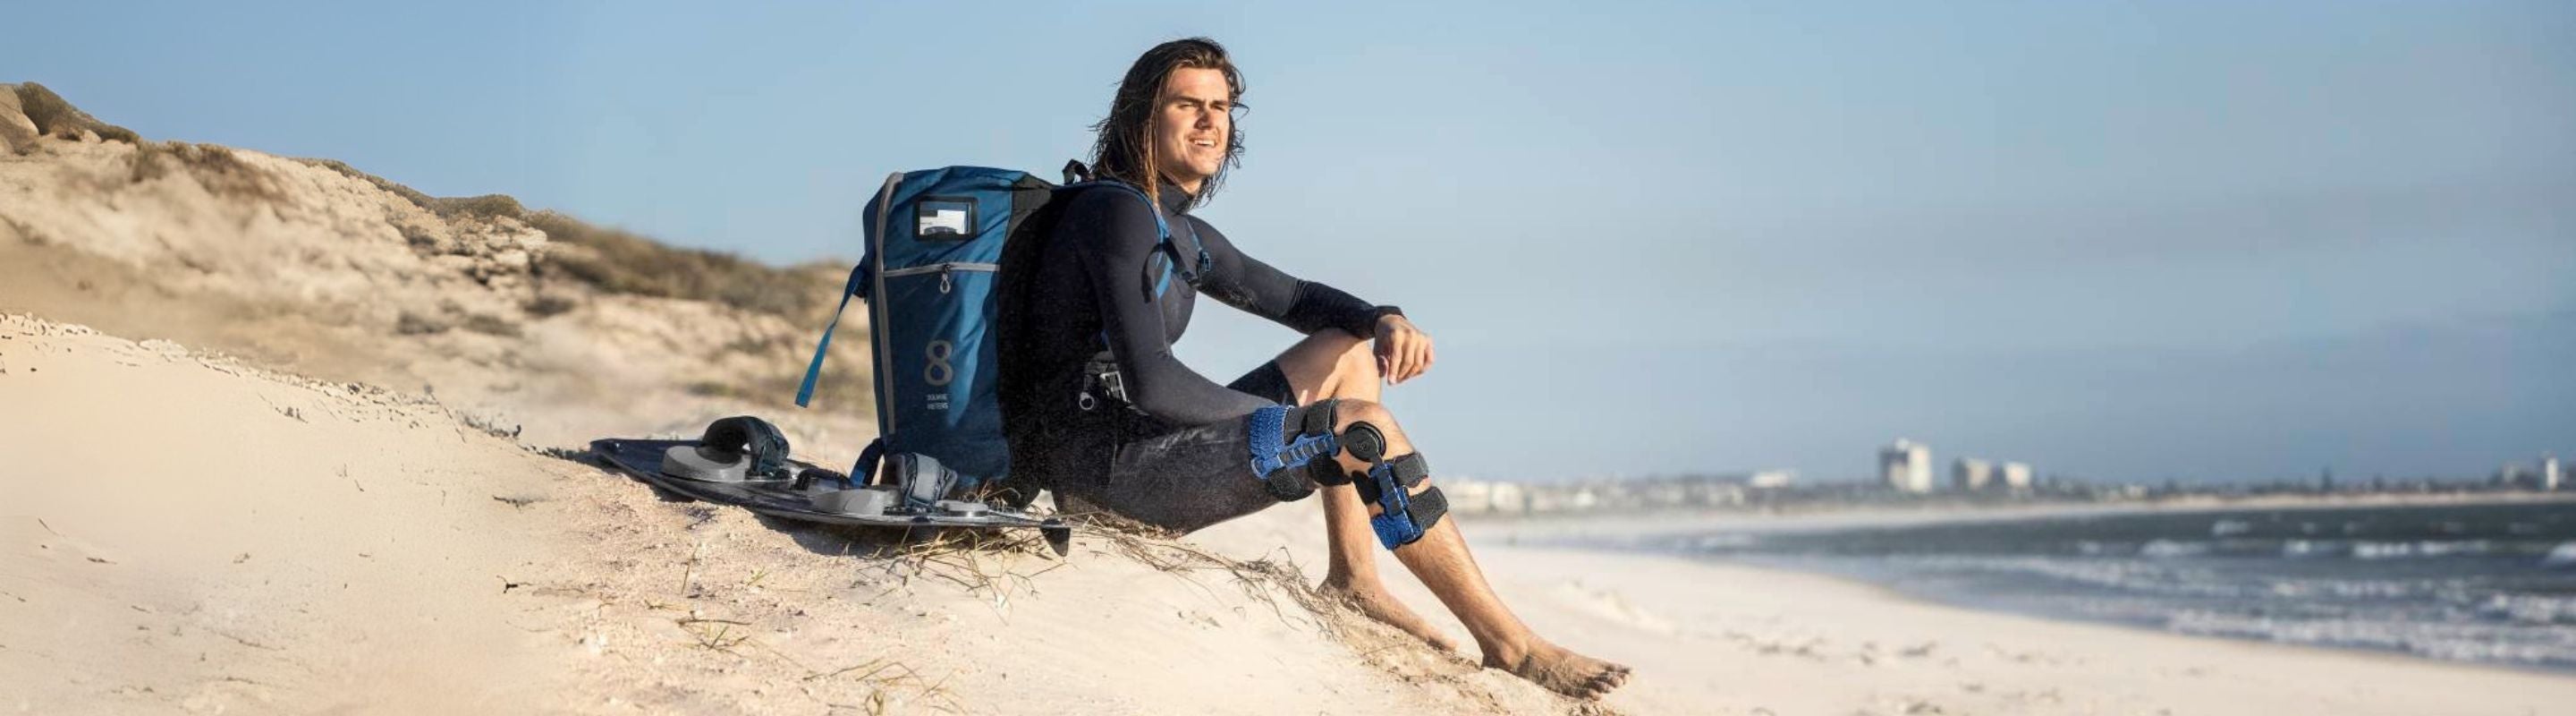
(1101, 379)
(1114, 386)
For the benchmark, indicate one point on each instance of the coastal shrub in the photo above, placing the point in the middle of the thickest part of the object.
(616, 261)
(407, 193)
(413, 324)
(481, 207)
(215, 167)
(56, 117)
(491, 325)
(621, 262)
(549, 306)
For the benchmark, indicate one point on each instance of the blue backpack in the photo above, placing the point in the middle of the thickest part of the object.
(930, 275)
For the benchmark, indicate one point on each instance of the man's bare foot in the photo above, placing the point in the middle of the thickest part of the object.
(1375, 602)
(1564, 672)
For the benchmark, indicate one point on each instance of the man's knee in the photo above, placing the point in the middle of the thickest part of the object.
(1354, 411)
(1394, 479)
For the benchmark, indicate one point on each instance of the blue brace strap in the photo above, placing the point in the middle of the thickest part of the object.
(1402, 518)
(1275, 452)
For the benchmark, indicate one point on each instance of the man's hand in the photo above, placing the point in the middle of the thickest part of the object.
(1402, 350)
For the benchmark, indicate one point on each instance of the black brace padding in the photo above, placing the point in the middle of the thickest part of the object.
(750, 437)
(1327, 471)
(1285, 489)
(1410, 471)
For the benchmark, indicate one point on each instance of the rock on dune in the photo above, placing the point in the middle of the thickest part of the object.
(17, 132)
(55, 117)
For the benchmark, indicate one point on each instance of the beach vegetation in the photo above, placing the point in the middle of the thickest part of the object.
(56, 117)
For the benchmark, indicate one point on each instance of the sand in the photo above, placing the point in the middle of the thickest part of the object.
(185, 533)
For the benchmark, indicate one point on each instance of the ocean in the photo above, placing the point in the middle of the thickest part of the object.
(2485, 583)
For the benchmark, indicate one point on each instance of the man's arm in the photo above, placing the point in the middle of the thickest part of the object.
(1114, 237)
(1259, 289)
(1403, 351)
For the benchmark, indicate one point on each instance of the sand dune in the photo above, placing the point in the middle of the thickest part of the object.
(189, 533)
(336, 275)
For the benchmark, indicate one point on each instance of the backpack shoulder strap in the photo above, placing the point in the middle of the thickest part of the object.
(1191, 261)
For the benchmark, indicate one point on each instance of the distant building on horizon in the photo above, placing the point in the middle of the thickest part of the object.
(2511, 476)
(1471, 495)
(1771, 479)
(2550, 475)
(1972, 474)
(1906, 466)
(2016, 475)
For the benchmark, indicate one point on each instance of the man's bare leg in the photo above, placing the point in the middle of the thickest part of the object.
(1332, 364)
(1440, 559)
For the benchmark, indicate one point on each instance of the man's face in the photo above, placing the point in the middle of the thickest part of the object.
(1192, 123)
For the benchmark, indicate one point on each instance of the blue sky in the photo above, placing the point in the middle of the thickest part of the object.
(2198, 240)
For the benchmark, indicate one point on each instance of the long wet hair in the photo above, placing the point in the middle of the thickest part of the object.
(1125, 148)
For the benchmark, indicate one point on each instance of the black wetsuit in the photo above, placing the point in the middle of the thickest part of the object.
(1175, 453)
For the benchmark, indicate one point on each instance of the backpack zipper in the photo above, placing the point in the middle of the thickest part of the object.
(944, 269)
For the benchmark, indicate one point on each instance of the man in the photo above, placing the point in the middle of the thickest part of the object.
(1098, 409)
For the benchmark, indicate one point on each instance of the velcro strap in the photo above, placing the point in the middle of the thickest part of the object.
(1318, 418)
(1408, 518)
(1410, 469)
(1404, 472)
(1426, 508)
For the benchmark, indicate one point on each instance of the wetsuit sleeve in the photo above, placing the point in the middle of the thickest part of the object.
(1257, 288)
(1114, 236)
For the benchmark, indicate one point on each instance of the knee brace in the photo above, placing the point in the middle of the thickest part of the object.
(1402, 518)
(1291, 460)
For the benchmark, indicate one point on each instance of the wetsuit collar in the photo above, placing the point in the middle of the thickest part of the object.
(1175, 201)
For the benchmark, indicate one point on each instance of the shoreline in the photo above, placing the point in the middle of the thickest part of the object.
(2057, 648)
(1600, 536)
(1664, 522)
(1897, 593)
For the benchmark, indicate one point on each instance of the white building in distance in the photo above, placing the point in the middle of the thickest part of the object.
(1472, 496)
(2550, 475)
(2016, 475)
(1906, 466)
(1972, 474)
(1771, 479)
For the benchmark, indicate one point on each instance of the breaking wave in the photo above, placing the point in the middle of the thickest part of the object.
(2481, 583)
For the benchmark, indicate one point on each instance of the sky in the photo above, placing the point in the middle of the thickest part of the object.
(2135, 242)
